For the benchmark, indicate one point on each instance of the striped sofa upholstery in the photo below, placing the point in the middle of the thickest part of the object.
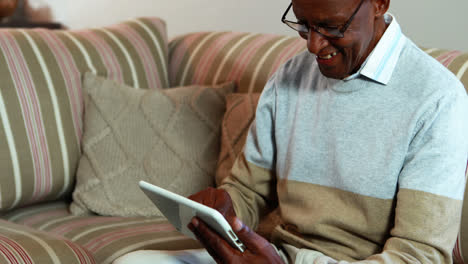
(216, 57)
(41, 104)
(19, 244)
(99, 239)
(43, 230)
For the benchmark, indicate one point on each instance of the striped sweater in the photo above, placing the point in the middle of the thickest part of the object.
(368, 169)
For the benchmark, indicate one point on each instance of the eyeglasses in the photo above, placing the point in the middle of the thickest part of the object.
(326, 31)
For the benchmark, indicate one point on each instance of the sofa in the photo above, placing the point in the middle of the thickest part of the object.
(42, 128)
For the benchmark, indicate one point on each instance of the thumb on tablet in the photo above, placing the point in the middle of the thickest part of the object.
(251, 240)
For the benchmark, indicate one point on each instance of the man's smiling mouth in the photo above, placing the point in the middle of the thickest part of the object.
(327, 57)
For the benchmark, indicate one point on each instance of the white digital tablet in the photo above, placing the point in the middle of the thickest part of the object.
(180, 211)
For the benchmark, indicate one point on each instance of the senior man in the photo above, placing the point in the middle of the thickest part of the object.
(360, 141)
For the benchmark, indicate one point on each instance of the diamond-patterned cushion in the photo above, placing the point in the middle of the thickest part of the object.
(167, 137)
(240, 112)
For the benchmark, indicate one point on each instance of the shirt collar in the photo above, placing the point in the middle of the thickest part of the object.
(381, 63)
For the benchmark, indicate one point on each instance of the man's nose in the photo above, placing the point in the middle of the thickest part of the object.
(316, 42)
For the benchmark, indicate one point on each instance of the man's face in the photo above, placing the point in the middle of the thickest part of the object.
(339, 58)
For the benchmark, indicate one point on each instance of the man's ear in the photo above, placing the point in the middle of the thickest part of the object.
(381, 7)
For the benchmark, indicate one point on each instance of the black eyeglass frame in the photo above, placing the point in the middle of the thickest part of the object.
(329, 33)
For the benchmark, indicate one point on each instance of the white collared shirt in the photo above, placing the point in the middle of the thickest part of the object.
(381, 62)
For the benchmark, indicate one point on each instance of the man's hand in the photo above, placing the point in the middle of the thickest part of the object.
(218, 199)
(258, 250)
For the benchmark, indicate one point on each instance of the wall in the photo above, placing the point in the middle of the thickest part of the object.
(430, 23)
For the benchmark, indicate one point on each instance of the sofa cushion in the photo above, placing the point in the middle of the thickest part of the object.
(41, 103)
(22, 244)
(240, 112)
(214, 57)
(250, 59)
(166, 137)
(106, 238)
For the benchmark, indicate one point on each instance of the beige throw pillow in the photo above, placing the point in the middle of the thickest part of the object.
(167, 137)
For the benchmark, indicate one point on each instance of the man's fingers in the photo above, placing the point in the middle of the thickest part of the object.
(214, 243)
(249, 238)
(201, 239)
